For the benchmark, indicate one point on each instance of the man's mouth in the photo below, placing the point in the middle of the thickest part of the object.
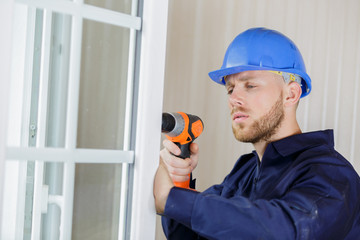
(239, 117)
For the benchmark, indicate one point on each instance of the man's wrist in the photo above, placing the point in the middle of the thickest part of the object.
(162, 187)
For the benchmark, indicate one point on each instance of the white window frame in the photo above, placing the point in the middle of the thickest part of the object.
(6, 18)
(144, 158)
(148, 129)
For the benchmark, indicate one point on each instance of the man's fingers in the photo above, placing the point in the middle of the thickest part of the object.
(180, 178)
(176, 162)
(194, 148)
(183, 170)
(179, 168)
(171, 147)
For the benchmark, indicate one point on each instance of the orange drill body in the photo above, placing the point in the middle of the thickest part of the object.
(182, 129)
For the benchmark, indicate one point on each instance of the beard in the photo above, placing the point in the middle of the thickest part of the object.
(263, 128)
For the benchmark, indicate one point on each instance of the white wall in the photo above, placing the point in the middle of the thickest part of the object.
(326, 31)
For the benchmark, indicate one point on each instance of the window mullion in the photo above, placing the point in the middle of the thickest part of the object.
(71, 128)
(71, 125)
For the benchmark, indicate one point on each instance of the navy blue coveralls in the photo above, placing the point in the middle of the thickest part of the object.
(302, 189)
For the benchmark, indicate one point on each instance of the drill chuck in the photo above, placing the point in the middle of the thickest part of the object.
(173, 124)
(168, 122)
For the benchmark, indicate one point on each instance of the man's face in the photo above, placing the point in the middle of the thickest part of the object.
(256, 104)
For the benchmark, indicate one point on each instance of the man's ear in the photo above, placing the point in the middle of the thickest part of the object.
(293, 93)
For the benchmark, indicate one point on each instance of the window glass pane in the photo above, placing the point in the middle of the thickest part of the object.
(103, 86)
(96, 201)
(123, 6)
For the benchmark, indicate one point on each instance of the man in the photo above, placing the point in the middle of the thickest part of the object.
(293, 186)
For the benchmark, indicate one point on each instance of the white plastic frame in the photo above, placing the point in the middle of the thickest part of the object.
(6, 18)
(148, 129)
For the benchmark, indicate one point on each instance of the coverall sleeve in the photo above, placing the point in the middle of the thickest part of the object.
(174, 230)
(319, 206)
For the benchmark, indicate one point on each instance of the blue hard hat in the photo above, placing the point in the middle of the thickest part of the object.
(263, 49)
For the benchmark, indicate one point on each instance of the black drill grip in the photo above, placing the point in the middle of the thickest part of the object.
(185, 150)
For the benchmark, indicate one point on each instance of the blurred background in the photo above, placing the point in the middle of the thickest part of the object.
(327, 32)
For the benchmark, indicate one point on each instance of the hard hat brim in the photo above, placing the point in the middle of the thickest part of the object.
(218, 75)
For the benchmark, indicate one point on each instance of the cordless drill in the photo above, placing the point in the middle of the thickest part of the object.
(182, 129)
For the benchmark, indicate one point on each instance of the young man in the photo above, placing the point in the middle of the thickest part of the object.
(293, 186)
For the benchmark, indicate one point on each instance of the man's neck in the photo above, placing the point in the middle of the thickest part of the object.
(260, 146)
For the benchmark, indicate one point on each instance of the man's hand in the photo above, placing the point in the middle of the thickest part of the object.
(172, 168)
(178, 168)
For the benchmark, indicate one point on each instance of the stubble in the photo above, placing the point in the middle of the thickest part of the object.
(264, 128)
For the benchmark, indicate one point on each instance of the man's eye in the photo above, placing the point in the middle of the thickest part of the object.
(229, 91)
(250, 86)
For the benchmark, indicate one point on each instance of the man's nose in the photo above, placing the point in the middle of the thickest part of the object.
(236, 98)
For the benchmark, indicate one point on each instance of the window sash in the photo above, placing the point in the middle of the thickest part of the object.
(79, 9)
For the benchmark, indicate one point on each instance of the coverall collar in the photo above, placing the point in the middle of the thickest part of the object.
(296, 143)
